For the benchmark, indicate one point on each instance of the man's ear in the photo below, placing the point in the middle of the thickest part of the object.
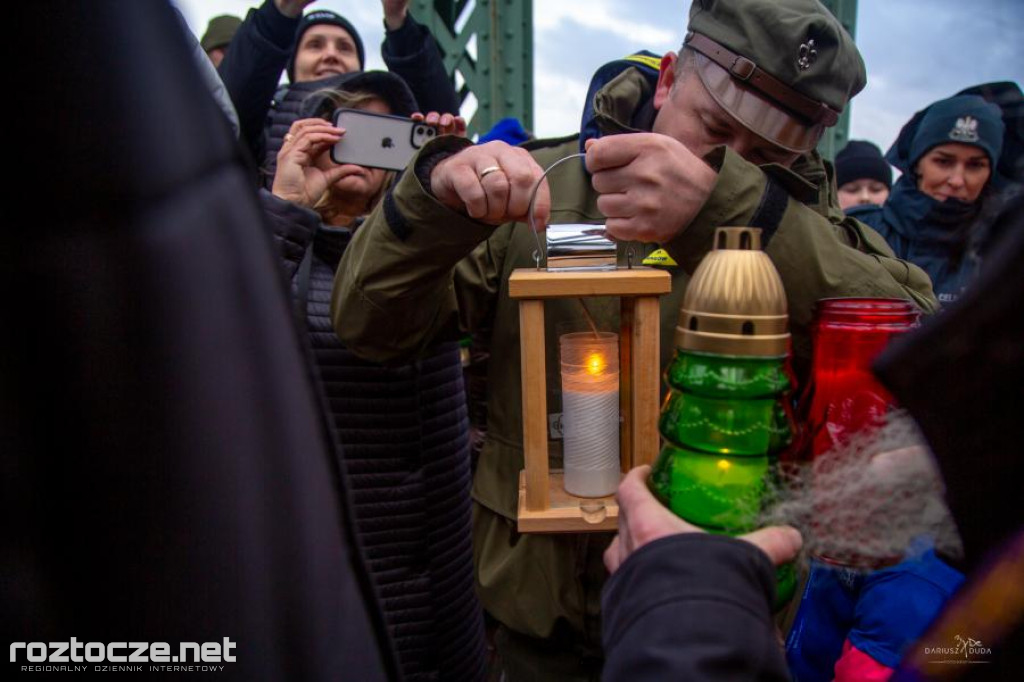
(666, 79)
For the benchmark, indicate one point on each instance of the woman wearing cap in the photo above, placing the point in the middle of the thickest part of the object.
(948, 154)
(863, 177)
(403, 429)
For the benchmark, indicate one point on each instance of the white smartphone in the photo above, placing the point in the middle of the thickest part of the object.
(378, 140)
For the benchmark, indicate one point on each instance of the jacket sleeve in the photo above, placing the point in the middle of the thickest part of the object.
(292, 229)
(412, 53)
(252, 68)
(692, 607)
(415, 269)
(819, 252)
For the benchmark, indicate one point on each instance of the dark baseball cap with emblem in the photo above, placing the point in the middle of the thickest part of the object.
(785, 69)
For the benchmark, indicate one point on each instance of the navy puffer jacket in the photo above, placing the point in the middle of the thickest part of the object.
(405, 435)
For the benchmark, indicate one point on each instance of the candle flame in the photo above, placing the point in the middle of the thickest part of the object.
(596, 364)
(724, 465)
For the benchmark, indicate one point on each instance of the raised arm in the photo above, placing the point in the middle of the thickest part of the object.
(254, 62)
(411, 52)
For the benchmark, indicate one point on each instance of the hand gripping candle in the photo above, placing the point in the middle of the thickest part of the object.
(727, 416)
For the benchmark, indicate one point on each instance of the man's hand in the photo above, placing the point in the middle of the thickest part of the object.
(298, 179)
(651, 186)
(446, 124)
(292, 8)
(491, 183)
(642, 519)
(394, 13)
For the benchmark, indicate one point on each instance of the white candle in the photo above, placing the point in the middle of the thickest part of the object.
(590, 413)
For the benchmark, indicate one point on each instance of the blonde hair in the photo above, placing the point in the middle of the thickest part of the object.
(332, 99)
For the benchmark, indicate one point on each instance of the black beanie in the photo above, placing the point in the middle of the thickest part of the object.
(323, 16)
(860, 160)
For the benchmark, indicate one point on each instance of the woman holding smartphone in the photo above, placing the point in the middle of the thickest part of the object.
(403, 429)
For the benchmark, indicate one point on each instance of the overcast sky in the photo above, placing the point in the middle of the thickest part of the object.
(916, 51)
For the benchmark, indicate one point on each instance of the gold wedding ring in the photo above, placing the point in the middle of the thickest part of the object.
(288, 137)
(487, 171)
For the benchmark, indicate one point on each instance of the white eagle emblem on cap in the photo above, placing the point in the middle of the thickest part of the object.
(807, 55)
(965, 130)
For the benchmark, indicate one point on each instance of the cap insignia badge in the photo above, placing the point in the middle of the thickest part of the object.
(808, 55)
(965, 130)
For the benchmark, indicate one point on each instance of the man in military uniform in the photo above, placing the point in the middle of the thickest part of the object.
(725, 137)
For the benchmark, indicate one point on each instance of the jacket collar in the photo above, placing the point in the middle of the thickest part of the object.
(918, 217)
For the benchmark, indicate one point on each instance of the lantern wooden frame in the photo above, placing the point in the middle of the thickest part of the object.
(544, 506)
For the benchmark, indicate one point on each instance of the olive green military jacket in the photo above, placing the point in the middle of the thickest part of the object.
(417, 269)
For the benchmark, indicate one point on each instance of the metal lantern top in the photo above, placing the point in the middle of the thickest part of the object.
(735, 303)
(579, 246)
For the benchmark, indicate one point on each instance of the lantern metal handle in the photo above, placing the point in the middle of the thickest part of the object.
(584, 243)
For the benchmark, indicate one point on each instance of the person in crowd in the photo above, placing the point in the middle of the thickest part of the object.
(312, 48)
(702, 148)
(219, 33)
(862, 175)
(403, 428)
(509, 130)
(947, 154)
(210, 77)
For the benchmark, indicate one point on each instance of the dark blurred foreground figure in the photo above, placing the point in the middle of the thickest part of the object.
(167, 473)
(687, 605)
(963, 379)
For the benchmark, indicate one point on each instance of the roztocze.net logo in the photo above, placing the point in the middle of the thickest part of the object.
(125, 656)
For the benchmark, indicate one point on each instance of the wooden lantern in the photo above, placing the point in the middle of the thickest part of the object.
(544, 505)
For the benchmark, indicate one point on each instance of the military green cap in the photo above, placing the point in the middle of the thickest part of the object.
(792, 55)
(220, 31)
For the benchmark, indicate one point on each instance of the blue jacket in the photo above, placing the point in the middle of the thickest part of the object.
(936, 236)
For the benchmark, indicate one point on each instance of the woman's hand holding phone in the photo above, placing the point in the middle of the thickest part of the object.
(446, 124)
(299, 178)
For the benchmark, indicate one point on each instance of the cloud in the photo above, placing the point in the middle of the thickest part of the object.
(558, 104)
(920, 51)
(610, 17)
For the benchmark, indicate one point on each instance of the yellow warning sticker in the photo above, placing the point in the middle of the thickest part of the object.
(646, 60)
(660, 257)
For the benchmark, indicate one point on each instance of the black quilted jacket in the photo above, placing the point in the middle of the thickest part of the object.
(404, 434)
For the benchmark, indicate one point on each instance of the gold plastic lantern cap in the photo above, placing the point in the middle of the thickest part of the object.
(735, 303)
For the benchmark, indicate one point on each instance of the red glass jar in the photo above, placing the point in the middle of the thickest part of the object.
(842, 395)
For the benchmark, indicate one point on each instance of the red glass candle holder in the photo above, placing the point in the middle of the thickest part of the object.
(842, 396)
